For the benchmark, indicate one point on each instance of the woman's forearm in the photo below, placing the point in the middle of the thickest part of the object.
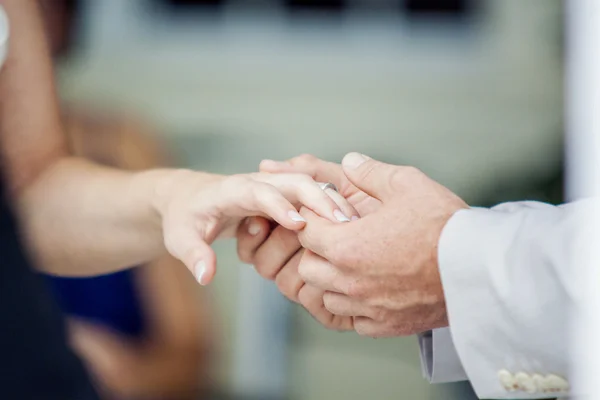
(112, 224)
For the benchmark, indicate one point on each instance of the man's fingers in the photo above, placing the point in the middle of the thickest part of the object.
(318, 272)
(344, 205)
(277, 250)
(251, 234)
(342, 305)
(324, 237)
(288, 279)
(365, 326)
(311, 298)
(372, 177)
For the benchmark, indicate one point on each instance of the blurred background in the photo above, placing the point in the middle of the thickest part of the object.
(471, 92)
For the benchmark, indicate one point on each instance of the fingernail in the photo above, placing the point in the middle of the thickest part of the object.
(355, 218)
(254, 229)
(200, 269)
(354, 160)
(340, 216)
(294, 216)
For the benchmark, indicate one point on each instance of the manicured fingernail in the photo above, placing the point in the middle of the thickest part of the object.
(340, 216)
(254, 229)
(355, 218)
(354, 160)
(199, 270)
(294, 216)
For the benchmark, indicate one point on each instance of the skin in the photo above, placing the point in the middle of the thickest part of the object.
(172, 359)
(76, 213)
(377, 275)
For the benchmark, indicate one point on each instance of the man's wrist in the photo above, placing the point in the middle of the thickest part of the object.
(439, 291)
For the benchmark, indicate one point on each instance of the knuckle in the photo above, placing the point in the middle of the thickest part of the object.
(338, 323)
(240, 184)
(311, 300)
(356, 289)
(329, 302)
(304, 298)
(379, 314)
(302, 160)
(304, 270)
(304, 179)
(265, 269)
(403, 175)
(289, 287)
(342, 252)
(244, 254)
(369, 328)
(362, 328)
(236, 181)
(269, 262)
(368, 170)
(266, 273)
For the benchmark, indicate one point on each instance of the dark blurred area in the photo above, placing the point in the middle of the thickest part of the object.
(469, 91)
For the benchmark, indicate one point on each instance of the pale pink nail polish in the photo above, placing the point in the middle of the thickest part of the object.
(200, 270)
(294, 216)
(340, 216)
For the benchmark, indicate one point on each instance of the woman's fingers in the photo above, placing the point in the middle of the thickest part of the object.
(186, 243)
(300, 189)
(267, 200)
(319, 170)
(343, 204)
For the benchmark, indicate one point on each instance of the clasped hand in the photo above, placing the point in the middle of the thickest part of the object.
(196, 209)
(378, 274)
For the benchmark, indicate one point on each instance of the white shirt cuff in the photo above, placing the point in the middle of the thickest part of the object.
(439, 360)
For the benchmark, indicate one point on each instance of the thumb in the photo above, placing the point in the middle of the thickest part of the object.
(371, 176)
(188, 246)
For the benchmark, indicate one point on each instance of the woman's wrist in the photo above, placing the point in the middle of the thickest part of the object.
(168, 182)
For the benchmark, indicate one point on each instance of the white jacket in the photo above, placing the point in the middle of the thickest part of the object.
(510, 279)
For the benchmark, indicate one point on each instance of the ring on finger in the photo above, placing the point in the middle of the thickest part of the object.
(327, 185)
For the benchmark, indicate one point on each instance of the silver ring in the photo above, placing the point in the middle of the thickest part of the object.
(328, 185)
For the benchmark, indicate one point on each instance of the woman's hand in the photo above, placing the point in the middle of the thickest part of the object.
(198, 208)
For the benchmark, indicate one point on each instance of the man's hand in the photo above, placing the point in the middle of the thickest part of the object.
(276, 253)
(324, 171)
(382, 269)
(335, 294)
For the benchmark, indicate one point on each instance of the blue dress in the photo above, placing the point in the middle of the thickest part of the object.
(110, 300)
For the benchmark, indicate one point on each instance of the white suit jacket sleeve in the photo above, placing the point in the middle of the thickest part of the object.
(509, 282)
